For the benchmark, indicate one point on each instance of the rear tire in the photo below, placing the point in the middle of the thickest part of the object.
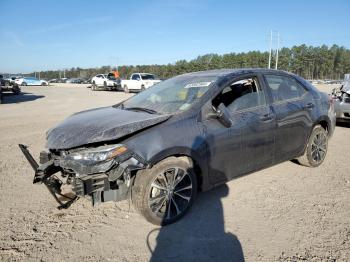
(159, 197)
(16, 90)
(93, 86)
(316, 148)
(126, 89)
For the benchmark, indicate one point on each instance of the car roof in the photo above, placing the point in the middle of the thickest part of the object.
(232, 72)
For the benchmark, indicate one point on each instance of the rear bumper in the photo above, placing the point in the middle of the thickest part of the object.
(342, 111)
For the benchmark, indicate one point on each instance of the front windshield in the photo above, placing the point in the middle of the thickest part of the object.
(174, 95)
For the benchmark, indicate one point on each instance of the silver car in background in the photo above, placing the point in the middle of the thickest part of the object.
(341, 98)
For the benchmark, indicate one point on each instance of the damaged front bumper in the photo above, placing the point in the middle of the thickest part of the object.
(106, 181)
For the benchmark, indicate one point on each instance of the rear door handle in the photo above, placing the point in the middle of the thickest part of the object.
(266, 117)
(309, 106)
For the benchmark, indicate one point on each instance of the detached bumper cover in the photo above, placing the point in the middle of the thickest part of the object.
(44, 174)
(100, 182)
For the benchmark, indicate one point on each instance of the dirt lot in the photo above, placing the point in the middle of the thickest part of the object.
(284, 213)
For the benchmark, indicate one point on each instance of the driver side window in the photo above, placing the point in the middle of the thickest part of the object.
(240, 95)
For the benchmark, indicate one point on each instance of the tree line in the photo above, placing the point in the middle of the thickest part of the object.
(310, 62)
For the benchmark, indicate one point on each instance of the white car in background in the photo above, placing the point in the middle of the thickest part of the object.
(30, 81)
(139, 82)
(105, 81)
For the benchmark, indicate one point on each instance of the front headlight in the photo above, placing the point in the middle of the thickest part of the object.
(98, 154)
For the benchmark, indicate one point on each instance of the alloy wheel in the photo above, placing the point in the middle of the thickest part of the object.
(170, 193)
(319, 147)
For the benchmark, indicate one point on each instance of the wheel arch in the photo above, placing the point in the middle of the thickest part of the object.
(324, 121)
(199, 166)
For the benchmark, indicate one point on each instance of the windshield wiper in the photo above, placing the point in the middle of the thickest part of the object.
(147, 110)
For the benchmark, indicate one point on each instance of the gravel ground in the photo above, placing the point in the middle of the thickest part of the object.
(284, 213)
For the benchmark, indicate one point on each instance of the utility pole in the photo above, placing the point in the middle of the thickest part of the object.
(39, 75)
(64, 73)
(278, 46)
(270, 49)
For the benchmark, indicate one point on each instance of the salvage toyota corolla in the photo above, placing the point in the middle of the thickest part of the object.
(188, 133)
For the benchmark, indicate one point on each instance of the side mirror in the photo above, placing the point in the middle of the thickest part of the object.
(222, 114)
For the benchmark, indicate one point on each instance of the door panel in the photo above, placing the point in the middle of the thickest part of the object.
(258, 138)
(224, 147)
(292, 128)
(246, 146)
(293, 117)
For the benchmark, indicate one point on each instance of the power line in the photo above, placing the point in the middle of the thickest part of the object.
(278, 46)
(270, 49)
(277, 41)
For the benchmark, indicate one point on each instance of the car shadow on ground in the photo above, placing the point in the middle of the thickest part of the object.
(10, 98)
(198, 236)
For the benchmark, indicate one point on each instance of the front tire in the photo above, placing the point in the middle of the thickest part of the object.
(316, 149)
(164, 193)
(24, 84)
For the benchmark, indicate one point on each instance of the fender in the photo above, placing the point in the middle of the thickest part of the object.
(199, 160)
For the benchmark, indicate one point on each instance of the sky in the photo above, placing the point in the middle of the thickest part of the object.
(40, 35)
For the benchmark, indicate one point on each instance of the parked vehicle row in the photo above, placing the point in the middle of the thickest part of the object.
(70, 80)
(341, 98)
(105, 81)
(30, 81)
(139, 82)
(188, 133)
(7, 85)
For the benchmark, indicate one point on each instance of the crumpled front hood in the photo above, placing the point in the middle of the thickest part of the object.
(99, 125)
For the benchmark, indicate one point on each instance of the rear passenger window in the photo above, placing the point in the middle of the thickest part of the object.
(243, 94)
(284, 87)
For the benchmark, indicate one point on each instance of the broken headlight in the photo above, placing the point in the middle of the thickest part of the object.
(98, 154)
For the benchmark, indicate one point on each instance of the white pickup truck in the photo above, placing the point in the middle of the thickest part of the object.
(139, 82)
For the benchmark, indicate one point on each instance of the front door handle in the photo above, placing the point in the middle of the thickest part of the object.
(309, 106)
